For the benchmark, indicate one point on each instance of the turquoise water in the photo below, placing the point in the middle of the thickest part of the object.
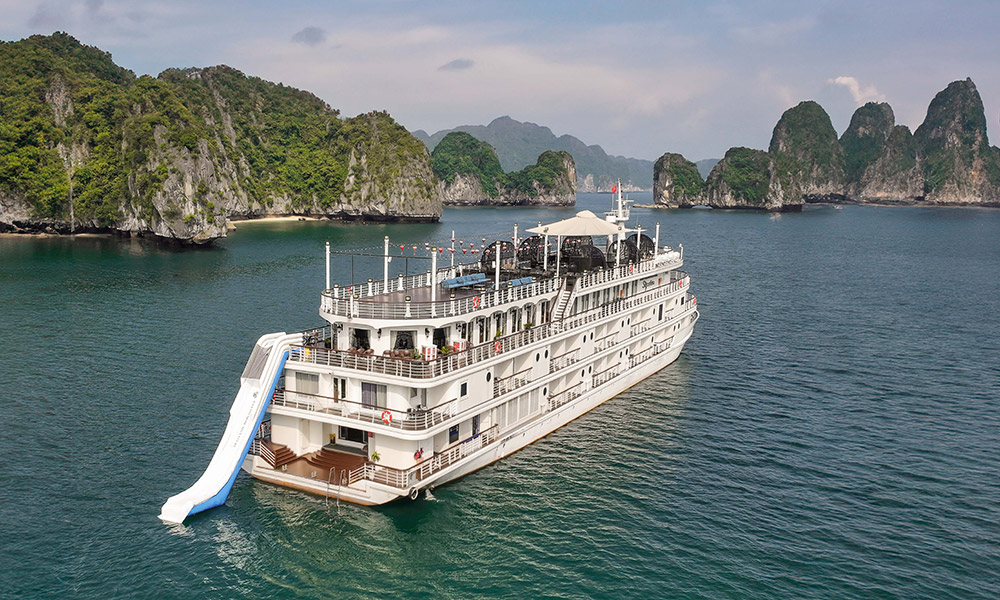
(831, 430)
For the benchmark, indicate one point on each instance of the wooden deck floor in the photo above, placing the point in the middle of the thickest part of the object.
(317, 465)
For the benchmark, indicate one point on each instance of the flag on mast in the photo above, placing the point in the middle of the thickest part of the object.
(614, 188)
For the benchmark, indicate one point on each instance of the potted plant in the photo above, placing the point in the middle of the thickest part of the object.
(376, 457)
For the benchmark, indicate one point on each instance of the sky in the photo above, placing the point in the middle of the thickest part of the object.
(638, 78)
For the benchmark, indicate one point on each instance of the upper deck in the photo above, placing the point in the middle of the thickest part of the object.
(425, 296)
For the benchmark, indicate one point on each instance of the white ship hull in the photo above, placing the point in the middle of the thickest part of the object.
(372, 493)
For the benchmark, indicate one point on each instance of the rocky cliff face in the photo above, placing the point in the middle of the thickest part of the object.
(677, 182)
(471, 175)
(91, 147)
(880, 158)
(948, 160)
(958, 163)
(745, 178)
(805, 150)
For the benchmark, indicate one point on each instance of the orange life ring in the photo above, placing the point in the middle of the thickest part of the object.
(386, 417)
(680, 283)
(498, 347)
(475, 302)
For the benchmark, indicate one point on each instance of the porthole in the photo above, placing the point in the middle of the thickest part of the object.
(591, 336)
(546, 354)
(489, 376)
(538, 356)
(545, 391)
(620, 355)
(590, 369)
(582, 373)
(626, 351)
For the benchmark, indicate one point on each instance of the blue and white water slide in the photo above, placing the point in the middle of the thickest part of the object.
(256, 388)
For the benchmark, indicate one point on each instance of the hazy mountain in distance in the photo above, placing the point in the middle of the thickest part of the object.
(518, 145)
(704, 165)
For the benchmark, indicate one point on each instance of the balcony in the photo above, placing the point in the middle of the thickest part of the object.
(426, 369)
(408, 420)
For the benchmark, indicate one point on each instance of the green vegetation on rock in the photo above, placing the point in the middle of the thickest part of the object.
(865, 139)
(745, 172)
(175, 154)
(953, 136)
(806, 151)
(460, 153)
(683, 176)
(548, 173)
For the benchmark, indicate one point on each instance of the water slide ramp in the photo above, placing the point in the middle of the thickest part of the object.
(256, 389)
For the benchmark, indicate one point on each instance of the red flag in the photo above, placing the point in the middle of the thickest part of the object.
(614, 188)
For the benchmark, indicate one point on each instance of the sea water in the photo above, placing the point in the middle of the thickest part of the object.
(832, 429)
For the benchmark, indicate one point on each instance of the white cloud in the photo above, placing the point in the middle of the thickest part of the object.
(860, 94)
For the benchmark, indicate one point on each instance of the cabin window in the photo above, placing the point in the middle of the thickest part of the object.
(475, 425)
(661, 313)
(372, 395)
(453, 435)
(306, 383)
(464, 389)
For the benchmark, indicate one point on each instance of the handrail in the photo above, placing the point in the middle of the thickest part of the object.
(406, 421)
(358, 300)
(424, 369)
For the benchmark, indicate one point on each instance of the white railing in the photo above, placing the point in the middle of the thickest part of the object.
(365, 307)
(407, 420)
(609, 274)
(424, 369)
(564, 360)
(361, 300)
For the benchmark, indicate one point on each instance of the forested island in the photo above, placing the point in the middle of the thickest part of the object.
(946, 161)
(87, 146)
(471, 175)
(517, 144)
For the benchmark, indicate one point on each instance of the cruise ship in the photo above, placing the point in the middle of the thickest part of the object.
(416, 380)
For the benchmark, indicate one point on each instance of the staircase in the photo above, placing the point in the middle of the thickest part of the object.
(276, 454)
(333, 459)
(565, 296)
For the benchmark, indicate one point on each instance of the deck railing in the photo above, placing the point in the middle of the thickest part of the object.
(424, 369)
(671, 259)
(360, 300)
(365, 306)
(406, 420)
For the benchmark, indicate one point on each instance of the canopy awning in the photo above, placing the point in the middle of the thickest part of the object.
(584, 223)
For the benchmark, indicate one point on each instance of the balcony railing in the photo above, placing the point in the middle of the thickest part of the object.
(406, 420)
(344, 304)
(361, 300)
(424, 369)
(671, 259)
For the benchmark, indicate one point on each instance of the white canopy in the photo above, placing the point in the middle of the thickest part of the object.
(584, 223)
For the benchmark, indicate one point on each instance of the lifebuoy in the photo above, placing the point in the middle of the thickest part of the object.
(386, 417)
(680, 283)
(498, 347)
(475, 302)
(414, 492)
(631, 268)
